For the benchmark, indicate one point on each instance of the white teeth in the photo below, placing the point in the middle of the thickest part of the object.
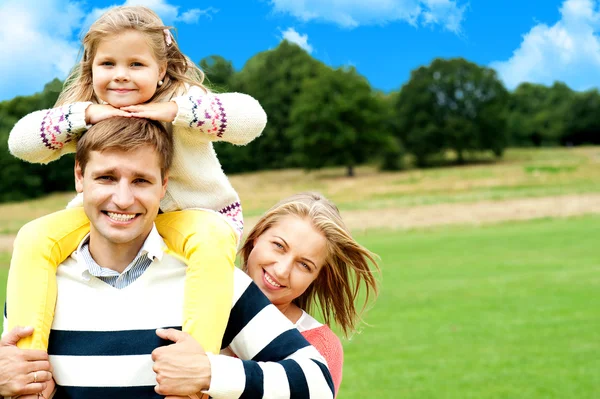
(273, 283)
(120, 217)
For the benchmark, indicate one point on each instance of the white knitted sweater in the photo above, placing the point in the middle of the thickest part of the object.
(196, 179)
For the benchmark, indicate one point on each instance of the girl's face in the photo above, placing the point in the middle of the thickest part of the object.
(286, 259)
(124, 70)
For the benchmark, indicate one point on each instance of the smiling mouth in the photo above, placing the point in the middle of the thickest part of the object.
(120, 217)
(270, 280)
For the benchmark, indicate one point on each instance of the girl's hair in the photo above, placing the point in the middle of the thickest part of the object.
(346, 266)
(180, 69)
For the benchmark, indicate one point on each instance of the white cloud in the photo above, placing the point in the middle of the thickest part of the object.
(567, 51)
(192, 16)
(352, 13)
(294, 37)
(37, 44)
(40, 38)
(167, 12)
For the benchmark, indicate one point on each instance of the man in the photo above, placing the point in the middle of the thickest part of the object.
(119, 287)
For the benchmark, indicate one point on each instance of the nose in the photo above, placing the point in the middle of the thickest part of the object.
(121, 74)
(123, 197)
(282, 268)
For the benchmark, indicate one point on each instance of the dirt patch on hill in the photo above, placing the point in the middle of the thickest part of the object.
(478, 213)
(483, 212)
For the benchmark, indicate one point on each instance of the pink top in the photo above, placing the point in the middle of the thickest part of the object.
(326, 342)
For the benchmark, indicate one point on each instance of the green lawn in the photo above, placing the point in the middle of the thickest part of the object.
(503, 311)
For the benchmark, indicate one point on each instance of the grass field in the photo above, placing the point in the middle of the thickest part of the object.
(507, 310)
(503, 311)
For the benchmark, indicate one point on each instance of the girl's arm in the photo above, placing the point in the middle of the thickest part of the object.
(46, 135)
(232, 117)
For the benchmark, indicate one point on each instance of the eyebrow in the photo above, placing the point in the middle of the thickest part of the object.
(131, 57)
(113, 171)
(304, 259)
(103, 172)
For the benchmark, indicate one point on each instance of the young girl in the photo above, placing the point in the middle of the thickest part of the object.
(132, 66)
(302, 256)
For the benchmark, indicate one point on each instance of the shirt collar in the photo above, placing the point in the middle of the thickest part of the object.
(153, 247)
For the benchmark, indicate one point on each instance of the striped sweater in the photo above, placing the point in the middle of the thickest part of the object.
(196, 179)
(102, 338)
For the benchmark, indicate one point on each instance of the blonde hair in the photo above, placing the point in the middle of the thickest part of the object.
(180, 69)
(127, 134)
(346, 267)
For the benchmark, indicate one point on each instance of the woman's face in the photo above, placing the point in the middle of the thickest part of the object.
(286, 259)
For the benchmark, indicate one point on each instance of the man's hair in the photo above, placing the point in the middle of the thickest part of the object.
(126, 134)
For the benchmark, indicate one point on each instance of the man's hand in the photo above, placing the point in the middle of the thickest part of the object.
(162, 112)
(22, 371)
(182, 369)
(46, 393)
(99, 112)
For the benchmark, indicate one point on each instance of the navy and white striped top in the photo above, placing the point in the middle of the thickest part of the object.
(102, 338)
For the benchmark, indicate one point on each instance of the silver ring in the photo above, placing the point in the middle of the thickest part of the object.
(34, 377)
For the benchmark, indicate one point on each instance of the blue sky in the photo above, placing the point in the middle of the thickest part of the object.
(535, 40)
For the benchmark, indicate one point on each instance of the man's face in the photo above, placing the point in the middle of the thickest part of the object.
(121, 195)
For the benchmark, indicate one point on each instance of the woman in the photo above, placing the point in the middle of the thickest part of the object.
(302, 256)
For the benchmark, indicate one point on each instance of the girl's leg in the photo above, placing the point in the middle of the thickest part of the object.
(208, 244)
(41, 245)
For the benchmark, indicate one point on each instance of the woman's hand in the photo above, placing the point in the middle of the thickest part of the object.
(98, 112)
(163, 112)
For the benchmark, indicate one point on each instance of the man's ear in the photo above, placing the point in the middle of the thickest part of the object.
(78, 178)
(164, 185)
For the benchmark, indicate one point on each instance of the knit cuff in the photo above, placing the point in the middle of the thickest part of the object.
(78, 116)
(228, 378)
(186, 106)
(184, 111)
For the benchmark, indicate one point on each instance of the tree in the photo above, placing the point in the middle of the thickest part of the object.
(393, 151)
(583, 126)
(538, 114)
(275, 79)
(336, 120)
(20, 180)
(452, 104)
(219, 72)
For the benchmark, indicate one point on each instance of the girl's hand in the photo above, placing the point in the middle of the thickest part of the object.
(98, 112)
(163, 112)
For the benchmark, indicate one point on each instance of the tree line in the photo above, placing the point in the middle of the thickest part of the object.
(320, 116)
